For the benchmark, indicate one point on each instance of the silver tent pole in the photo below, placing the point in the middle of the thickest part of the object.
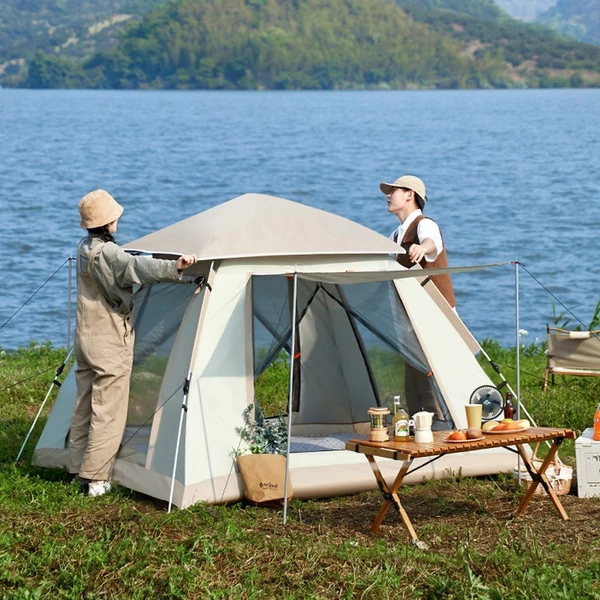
(69, 304)
(518, 344)
(516, 394)
(186, 384)
(290, 399)
(39, 412)
(518, 359)
(184, 407)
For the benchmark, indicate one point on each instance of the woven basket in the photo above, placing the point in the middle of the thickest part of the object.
(558, 474)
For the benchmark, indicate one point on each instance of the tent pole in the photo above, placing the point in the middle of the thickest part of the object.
(518, 343)
(69, 287)
(39, 412)
(186, 391)
(186, 384)
(517, 359)
(290, 400)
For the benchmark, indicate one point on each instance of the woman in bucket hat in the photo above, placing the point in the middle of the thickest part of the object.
(104, 337)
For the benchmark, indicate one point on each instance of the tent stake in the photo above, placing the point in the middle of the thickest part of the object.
(290, 400)
(39, 412)
(186, 390)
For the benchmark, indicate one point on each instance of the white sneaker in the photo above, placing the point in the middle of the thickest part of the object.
(98, 488)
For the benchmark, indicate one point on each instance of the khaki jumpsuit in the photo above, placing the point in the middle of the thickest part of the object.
(104, 339)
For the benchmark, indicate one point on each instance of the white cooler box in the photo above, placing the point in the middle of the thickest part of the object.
(587, 453)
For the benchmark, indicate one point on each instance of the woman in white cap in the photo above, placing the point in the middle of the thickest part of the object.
(104, 337)
(420, 236)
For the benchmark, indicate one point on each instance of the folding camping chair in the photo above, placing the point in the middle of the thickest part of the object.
(573, 353)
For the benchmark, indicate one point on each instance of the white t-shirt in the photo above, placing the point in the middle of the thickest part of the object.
(425, 229)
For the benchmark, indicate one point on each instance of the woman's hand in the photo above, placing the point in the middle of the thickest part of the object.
(185, 261)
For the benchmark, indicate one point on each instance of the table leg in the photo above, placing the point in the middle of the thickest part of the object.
(537, 477)
(391, 497)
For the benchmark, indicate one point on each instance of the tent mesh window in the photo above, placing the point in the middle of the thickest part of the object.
(159, 310)
(356, 348)
(271, 330)
(394, 354)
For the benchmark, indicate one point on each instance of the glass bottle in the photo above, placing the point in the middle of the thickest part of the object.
(509, 409)
(597, 424)
(400, 421)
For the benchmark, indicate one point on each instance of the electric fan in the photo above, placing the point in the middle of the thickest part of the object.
(491, 400)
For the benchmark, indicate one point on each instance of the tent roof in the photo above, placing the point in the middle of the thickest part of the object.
(256, 225)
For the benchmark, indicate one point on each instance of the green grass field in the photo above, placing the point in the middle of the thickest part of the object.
(57, 543)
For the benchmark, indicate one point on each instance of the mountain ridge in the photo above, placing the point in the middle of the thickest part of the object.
(295, 44)
(525, 10)
(579, 19)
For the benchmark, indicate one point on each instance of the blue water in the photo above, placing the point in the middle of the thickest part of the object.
(510, 175)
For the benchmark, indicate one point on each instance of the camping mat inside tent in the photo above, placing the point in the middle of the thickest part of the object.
(136, 439)
(319, 443)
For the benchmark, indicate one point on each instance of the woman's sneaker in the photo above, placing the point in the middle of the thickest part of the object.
(98, 488)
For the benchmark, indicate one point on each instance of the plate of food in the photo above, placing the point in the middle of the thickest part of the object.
(465, 440)
(505, 431)
(505, 426)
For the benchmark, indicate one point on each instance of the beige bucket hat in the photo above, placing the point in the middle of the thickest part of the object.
(98, 208)
(410, 182)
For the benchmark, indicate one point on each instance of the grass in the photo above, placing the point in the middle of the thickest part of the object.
(57, 543)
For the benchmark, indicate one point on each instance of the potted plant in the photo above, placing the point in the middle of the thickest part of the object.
(262, 462)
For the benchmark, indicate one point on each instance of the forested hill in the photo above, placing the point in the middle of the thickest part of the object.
(485, 10)
(576, 18)
(325, 44)
(531, 52)
(75, 28)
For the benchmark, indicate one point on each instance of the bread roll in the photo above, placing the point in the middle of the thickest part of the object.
(489, 425)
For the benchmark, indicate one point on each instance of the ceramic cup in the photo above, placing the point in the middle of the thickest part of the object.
(473, 415)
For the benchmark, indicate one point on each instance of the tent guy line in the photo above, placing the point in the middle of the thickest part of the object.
(552, 295)
(34, 293)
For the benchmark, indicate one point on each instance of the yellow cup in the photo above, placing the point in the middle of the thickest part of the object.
(473, 415)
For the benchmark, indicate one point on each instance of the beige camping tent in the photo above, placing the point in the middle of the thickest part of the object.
(203, 343)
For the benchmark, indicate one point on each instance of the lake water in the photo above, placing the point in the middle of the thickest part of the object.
(510, 175)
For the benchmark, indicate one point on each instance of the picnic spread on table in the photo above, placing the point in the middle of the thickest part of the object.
(407, 451)
(512, 435)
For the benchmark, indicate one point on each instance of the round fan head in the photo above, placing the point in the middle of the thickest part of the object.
(491, 400)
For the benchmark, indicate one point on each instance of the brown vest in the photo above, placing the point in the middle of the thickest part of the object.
(442, 282)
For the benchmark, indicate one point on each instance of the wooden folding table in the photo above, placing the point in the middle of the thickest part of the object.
(407, 452)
